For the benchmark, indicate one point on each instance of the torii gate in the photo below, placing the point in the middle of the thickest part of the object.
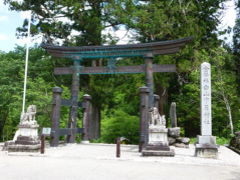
(111, 52)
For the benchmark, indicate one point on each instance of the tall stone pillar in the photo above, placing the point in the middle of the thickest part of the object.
(72, 122)
(56, 107)
(173, 115)
(206, 143)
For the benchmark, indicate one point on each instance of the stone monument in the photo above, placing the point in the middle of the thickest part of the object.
(158, 136)
(173, 115)
(26, 138)
(206, 143)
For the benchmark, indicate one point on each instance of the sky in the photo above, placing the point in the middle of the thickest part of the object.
(10, 20)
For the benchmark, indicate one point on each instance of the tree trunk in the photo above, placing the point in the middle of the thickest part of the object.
(163, 95)
(228, 107)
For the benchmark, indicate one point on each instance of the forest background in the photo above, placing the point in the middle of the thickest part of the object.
(117, 96)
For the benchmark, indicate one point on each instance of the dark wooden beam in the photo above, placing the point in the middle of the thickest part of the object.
(118, 70)
(56, 105)
(68, 102)
(70, 131)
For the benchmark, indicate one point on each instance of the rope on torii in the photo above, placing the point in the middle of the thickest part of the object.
(26, 64)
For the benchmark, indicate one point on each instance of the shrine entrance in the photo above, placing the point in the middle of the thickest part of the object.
(111, 52)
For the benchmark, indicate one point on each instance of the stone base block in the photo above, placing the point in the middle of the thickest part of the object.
(85, 142)
(181, 145)
(158, 136)
(174, 132)
(206, 140)
(12, 147)
(158, 153)
(25, 140)
(157, 147)
(206, 151)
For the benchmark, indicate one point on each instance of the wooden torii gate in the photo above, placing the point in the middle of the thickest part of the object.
(111, 52)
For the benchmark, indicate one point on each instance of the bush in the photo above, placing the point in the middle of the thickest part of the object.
(120, 124)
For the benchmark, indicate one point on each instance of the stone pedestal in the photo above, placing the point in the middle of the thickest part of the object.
(158, 142)
(25, 140)
(206, 147)
(26, 137)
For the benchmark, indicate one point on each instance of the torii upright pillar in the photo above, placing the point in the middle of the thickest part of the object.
(72, 122)
(149, 78)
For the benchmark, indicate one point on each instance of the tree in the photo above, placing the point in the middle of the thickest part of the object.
(71, 21)
(236, 46)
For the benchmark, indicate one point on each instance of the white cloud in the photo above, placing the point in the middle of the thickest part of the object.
(3, 37)
(24, 41)
(3, 18)
(229, 15)
(228, 20)
(122, 35)
(25, 14)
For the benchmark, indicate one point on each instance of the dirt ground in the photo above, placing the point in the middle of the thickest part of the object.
(98, 162)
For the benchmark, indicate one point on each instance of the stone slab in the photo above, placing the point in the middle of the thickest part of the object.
(183, 140)
(206, 152)
(23, 148)
(158, 153)
(160, 147)
(181, 145)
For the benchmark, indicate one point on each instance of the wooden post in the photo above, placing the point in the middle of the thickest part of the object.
(86, 117)
(72, 122)
(42, 149)
(144, 116)
(118, 150)
(94, 125)
(156, 100)
(149, 78)
(56, 105)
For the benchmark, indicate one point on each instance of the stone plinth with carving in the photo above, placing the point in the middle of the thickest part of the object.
(26, 138)
(158, 136)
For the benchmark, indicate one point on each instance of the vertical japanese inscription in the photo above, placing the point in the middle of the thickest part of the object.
(206, 107)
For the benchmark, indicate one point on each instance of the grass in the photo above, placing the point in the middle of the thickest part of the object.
(220, 140)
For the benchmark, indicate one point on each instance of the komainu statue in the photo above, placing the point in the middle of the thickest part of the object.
(29, 116)
(156, 119)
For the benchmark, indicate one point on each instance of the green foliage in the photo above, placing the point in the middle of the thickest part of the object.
(220, 140)
(39, 88)
(120, 124)
(193, 140)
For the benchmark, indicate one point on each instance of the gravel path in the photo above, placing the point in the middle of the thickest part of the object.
(98, 162)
